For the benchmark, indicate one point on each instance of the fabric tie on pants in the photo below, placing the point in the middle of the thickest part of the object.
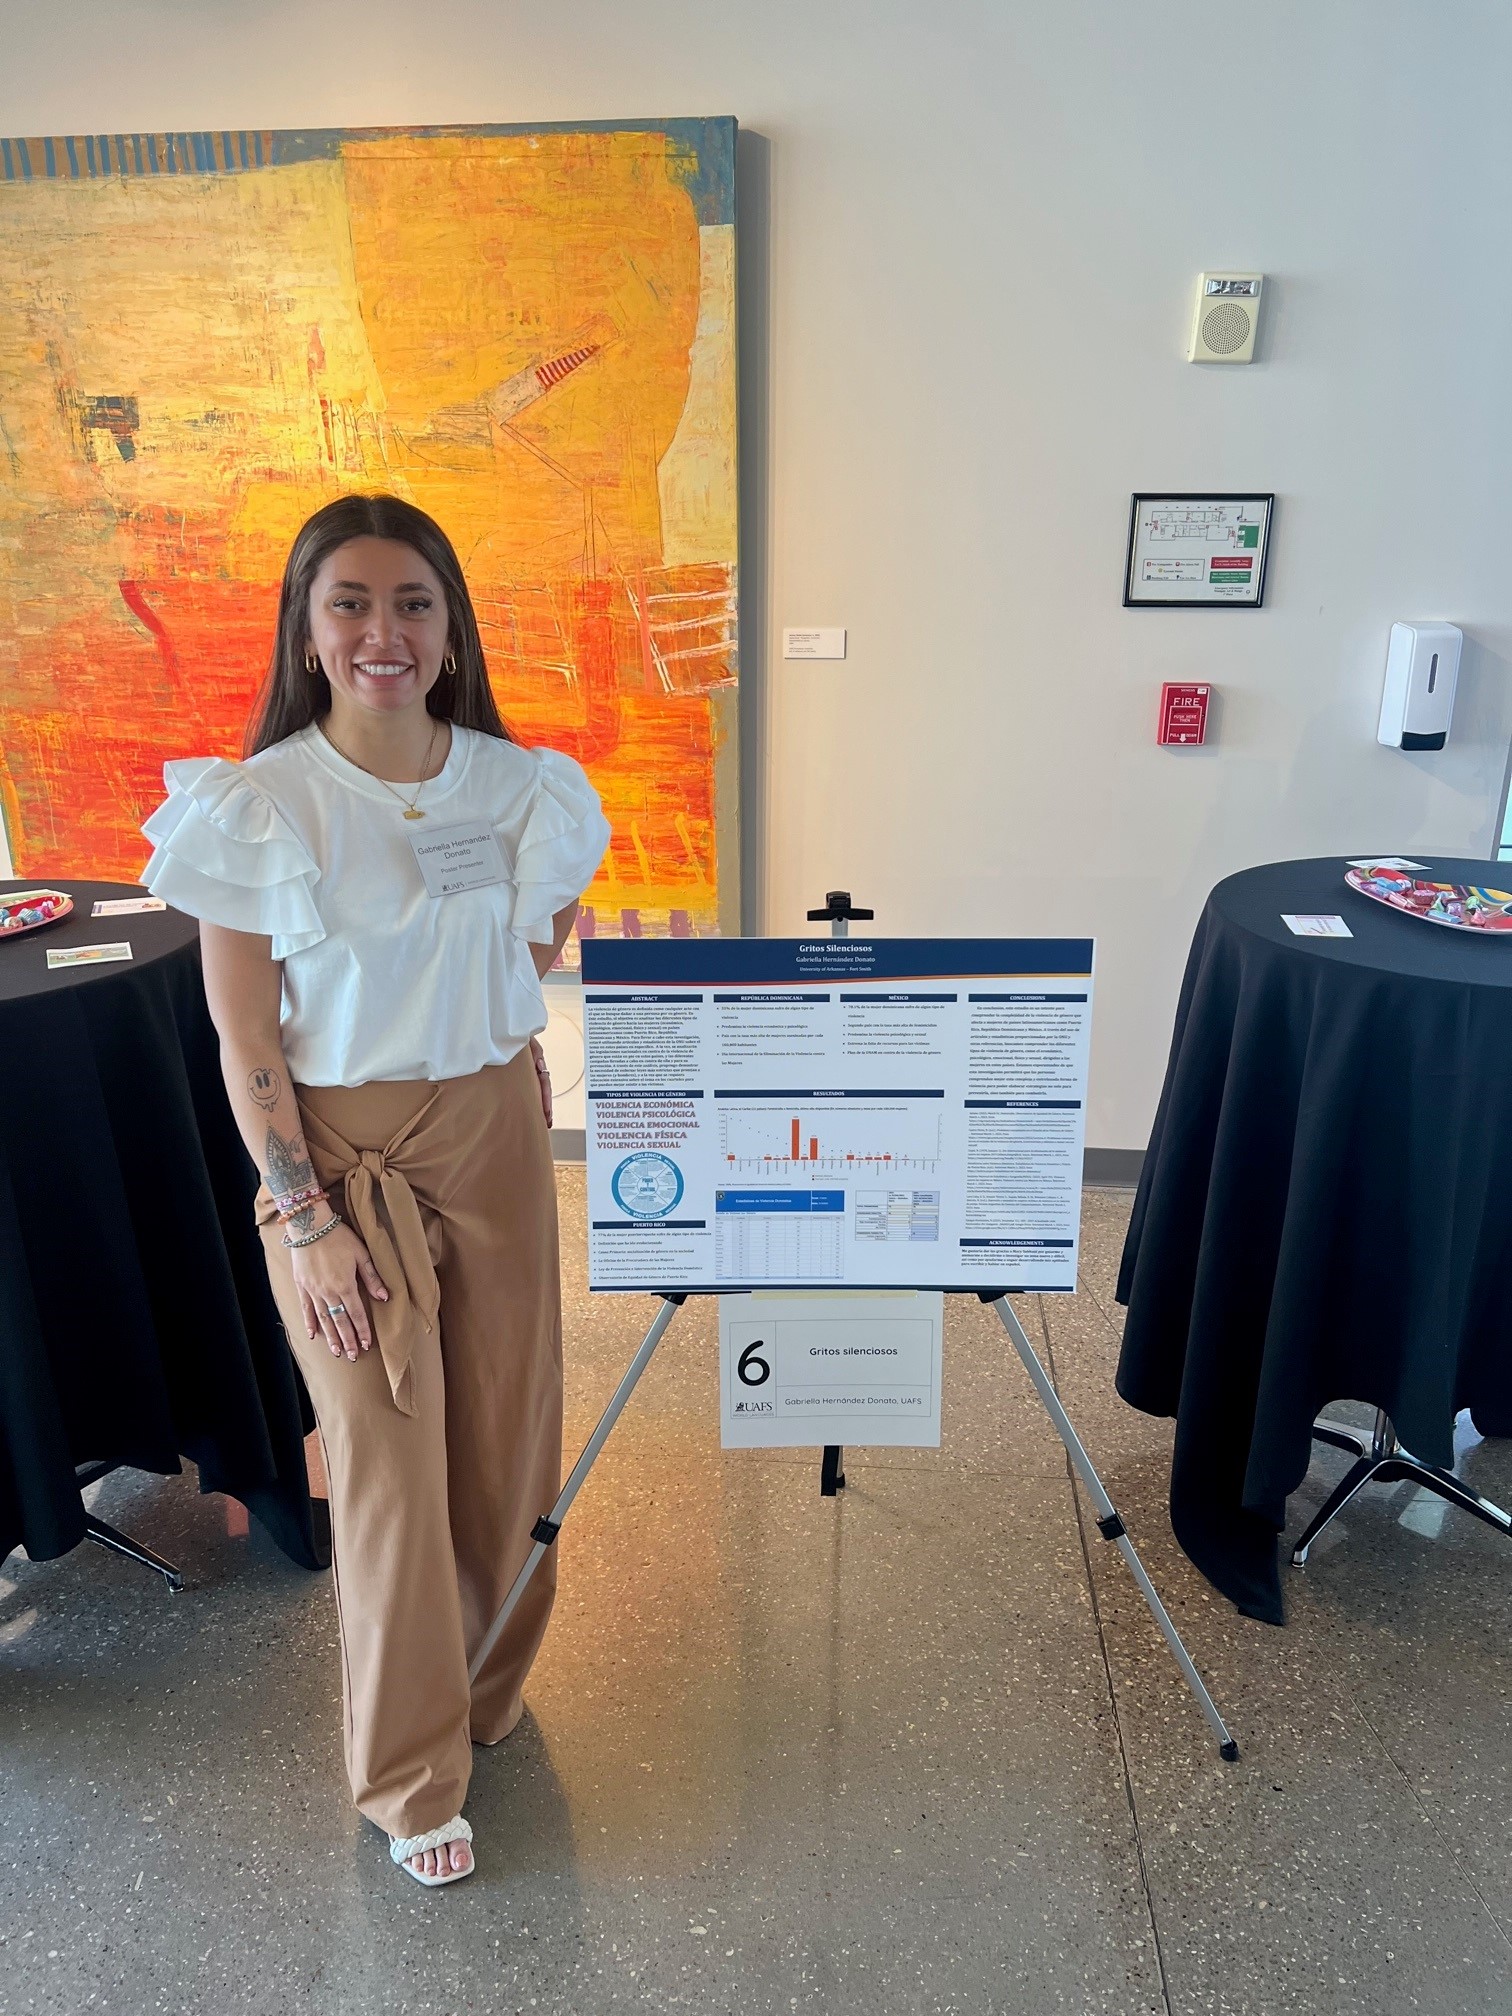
(399, 1248)
(404, 1261)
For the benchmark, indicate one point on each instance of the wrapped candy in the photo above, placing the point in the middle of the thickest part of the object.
(28, 908)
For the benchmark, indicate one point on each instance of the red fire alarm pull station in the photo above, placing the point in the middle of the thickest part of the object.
(1183, 715)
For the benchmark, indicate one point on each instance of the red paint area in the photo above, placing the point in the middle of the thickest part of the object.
(591, 667)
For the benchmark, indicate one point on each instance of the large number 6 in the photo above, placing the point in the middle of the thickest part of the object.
(759, 1371)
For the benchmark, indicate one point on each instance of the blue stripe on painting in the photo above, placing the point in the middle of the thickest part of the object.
(701, 152)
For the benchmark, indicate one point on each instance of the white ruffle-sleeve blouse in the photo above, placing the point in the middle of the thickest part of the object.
(381, 980)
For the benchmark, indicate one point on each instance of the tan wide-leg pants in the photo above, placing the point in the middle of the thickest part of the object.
(443, 1443)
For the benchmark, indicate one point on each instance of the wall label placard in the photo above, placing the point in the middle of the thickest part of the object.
(821, 643)
(822, 1113)
(1197, 550)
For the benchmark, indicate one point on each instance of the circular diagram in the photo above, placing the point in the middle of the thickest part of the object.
(647, 1185)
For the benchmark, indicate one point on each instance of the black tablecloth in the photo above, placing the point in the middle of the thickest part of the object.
(136, 1321)
(1325, 1211)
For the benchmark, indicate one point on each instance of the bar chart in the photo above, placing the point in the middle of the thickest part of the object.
(839, 1138)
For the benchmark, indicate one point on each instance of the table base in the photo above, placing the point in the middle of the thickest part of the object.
(114, 1539)
(1383, 1460)
(122, 1543)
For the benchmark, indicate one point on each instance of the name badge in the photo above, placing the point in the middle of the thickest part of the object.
(454, 858)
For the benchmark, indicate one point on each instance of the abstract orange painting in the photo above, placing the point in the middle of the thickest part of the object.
(530, 333)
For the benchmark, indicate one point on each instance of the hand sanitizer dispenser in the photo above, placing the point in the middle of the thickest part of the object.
(1422, 664)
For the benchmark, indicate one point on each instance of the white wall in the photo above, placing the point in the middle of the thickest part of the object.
(973, 228)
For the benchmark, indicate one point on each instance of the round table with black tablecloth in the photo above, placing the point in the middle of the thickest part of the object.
(1325, 1211)
(136, 1322)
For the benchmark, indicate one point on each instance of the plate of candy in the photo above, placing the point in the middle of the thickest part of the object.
(1462, 906)
(30, 909)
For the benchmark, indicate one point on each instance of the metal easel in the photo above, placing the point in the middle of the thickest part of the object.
(840, 912)
(543, 1534)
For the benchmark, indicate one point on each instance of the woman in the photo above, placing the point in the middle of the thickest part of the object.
(381, 885)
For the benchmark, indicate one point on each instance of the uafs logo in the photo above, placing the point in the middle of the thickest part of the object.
(754, 1407)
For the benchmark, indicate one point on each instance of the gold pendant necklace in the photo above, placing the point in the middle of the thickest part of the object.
(411, 805)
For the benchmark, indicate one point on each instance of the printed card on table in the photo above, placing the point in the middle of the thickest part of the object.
(87, 955)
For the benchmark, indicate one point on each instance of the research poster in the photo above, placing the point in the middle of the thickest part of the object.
(835, 1113)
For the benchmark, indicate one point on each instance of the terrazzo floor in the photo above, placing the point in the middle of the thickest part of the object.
(917, 1751)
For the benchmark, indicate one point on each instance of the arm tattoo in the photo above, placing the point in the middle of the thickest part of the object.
(265, 1087)
(289, 1168)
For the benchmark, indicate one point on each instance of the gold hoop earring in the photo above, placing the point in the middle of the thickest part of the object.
(312, 663)
(449, 663)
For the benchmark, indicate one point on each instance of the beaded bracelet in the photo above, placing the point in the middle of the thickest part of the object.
(292, 1199)
(293, 1217)
(320, 1232)
(295, 1201)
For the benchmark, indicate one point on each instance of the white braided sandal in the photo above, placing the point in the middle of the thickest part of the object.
(403, 1847)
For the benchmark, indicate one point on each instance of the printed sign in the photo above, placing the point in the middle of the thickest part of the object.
(835, 1113)
(88, 955)
(803, 1370)
(1189, 551)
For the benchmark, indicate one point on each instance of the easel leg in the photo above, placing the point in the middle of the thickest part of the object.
(831, 1476)
(1109, 1524)
(546, 1528)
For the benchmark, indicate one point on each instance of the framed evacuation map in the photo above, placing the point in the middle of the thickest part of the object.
(527, 331)
(1191, 550)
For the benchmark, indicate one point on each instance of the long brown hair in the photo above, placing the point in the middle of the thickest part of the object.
(292, 696)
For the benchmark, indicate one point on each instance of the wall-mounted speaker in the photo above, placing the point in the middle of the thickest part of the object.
(1227, 316)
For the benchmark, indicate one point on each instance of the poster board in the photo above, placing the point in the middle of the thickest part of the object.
(819, 1114)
